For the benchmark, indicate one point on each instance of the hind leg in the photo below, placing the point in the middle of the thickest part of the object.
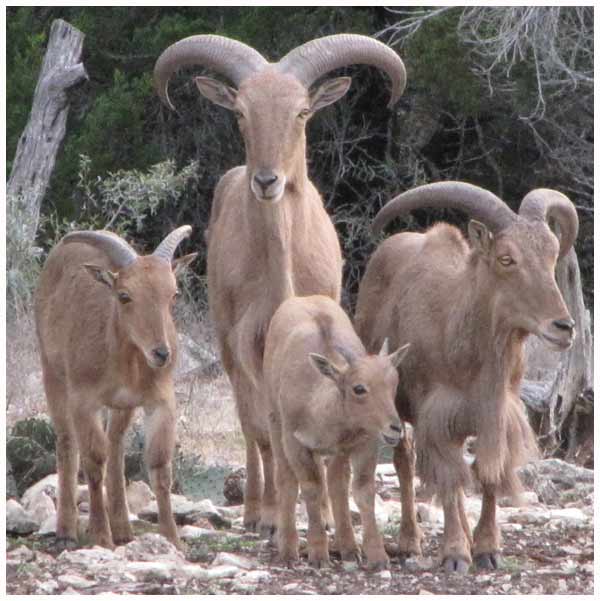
(268, 508)
(118, 510)
(486, 538)
(67, 458)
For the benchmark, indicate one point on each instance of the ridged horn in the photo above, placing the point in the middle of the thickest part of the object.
(166, 249)
(543, 204)
(118, 251)
(230, 58)
(317, 57)
(476, 202)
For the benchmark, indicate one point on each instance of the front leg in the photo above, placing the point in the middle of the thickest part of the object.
(118, 510)
(160, 442)
(364, 462)
(486, 538)
(410, 536)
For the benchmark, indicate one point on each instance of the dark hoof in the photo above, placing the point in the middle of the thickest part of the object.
(454, 565)
(378, 566)
(319, 564)
(488, 561)
(65, 544)
(267, 531)
(251, 525)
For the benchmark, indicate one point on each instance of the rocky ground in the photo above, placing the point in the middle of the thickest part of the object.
(548, 547)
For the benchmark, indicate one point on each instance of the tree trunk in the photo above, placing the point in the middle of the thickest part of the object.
(45, 130)
(558, 386)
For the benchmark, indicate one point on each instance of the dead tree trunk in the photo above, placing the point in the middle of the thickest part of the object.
(558, 386)
(45, 130)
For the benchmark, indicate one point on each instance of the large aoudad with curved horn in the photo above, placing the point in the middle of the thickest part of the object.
(237, 61)
(269, 236)
(107, 340)
(466, 305)
(541, 204)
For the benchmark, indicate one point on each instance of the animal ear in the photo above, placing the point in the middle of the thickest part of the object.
(329, 92)
(102, 275)
(481, 238)
(324, 366)
(397, 356)
(181, 264)
(216, 91)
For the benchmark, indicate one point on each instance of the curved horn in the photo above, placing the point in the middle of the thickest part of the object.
(118, 251)
(317, 57)
(232, 59)
(543, 204)
(166, 249)
(473, 200)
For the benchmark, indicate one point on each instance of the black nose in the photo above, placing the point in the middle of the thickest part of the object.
(161, 353)
(564, 324)
(264, 180)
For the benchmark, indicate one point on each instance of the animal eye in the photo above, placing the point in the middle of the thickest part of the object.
(238, 114)
(506, 260)
(359, 389)
(304, 113)
(124, 298)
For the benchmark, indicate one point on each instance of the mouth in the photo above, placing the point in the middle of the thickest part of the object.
(557, 343)
(390, 440)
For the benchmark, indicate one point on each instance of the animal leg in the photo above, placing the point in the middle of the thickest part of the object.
(268, 509)
(67, 459)
(460, 497)
(118, 510)
(254, 486)
(160, 442)
(455, 550)
(364, 463)
(410, 536)
(338, 476)
(308, 474)
(93, 448)
(486, 539)
(287, 488)
(326, 511)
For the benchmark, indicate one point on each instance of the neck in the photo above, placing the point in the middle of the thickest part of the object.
(490, 351)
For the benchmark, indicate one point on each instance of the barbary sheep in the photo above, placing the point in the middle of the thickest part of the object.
(327, 397)
(269, 235)
(466, 308)
(107, 340)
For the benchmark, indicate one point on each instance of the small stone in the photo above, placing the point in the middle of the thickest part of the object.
(75, 581)
(19, 521)
(562, 586)
(292, 586)
(569, 516)
(256, 576)
(234, 560)
(151, 570)
(48, 587)
(221, 572)
(587, 568)
(349, 566)
(190, 532)
(139, 495)
(424, 591)
(506, 587)
(20, 554)
(385, 575)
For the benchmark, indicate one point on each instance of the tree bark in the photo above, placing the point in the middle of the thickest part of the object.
(558, 386)
(40, 141)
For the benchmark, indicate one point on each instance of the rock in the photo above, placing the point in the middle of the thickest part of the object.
(549, 476)
(48, 485)
(21, 554)
(530, 517)
(48, 527)
(149, 547)
(569, 516)
(19, 521)
(191, 532)
(89, 557)
(48, 587)
(75, 581)
(385, 575)
(424, 591)
(256, 576)
(187, 512)
(430, 513)
(233, 487)
(139, 495)
(41, 507)
(230, 559)
(292, 586)
(151, 570)
(221, 572)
